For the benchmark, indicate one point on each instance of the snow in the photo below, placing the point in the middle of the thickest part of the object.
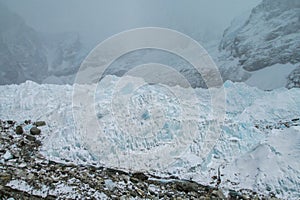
(253, 158)
(20, 184)
(277, 156)
(61, 190)
(272, 77)
(110, 184)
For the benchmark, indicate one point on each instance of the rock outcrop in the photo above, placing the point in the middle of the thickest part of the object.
(22, 54)
(294, 79)
(270, 35)
(26, 54)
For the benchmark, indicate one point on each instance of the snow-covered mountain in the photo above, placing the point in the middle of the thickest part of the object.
(26, 54)
(65, 53)
(260, 47)
(269, 35)
(22, 56)
(136, 58)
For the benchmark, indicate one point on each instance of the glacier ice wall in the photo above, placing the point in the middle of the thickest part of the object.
(248, 154)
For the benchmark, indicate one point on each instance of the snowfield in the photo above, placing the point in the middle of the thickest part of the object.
(264, 78)
(258, 147)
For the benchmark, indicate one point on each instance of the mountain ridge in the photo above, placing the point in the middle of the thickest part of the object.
(269, 36)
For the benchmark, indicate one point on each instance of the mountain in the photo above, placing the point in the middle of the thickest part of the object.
(26, 54)
(269, 35)
(65, 53)
(22, 55)
(261, 47)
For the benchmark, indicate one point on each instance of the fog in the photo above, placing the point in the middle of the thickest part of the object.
(96, 20)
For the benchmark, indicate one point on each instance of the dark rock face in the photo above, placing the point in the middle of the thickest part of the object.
(270, 35)
(294, 79)
(28, 55)
(67, 53)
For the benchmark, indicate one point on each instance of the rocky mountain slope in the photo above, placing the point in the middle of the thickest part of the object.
(65, 53)
(266, 37)
(22, 55)
(26, 54)
(269, 35)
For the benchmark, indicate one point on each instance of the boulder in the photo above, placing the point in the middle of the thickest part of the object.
(139, 175)
(35, 131)
(40, 123)
(19, 130)
(30, 138)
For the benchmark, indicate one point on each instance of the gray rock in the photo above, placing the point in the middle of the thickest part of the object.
(30, 176)
(219, 194)
(35, 131)
(5, 177)
(27, 121)
(40, 123)
(30, 138)
(294, 79)
(186, 186)
(11, 122)
(139, 175)
(257, 47)
(19, 130)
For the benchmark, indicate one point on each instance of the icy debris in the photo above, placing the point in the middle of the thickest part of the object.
(110, 184)
(245, 107)
(42, 178)
(20, 184)
(7, 155)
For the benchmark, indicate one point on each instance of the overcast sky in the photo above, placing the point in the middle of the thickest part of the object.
(97, 19)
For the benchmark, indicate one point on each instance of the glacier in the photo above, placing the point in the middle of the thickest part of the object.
(248, 153)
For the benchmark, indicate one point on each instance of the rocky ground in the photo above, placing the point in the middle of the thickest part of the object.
(26, 174)
(279, 125)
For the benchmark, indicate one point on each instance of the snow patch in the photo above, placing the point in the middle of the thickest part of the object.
(272, 77)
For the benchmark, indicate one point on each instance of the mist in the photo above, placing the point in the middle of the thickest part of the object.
(95, 20)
